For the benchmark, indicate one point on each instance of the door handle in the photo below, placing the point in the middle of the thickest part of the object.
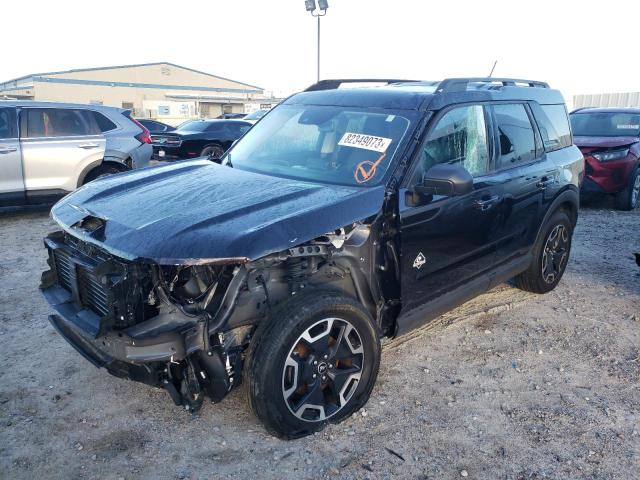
(4, 150)
(544, 181)
(88, 145)
(485, 204)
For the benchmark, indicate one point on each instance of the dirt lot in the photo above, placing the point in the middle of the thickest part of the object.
(511, 385)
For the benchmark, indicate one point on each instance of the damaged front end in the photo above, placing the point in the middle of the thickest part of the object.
(144, 321)
(185, 327)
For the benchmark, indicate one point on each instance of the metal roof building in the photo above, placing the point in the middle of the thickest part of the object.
(629, 99)
(158, 90)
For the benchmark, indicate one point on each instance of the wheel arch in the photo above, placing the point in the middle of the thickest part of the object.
(567, 201)
(122, 167)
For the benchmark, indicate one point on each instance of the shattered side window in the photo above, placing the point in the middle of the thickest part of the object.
(459, 137)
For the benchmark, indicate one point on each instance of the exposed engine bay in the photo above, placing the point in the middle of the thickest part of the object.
(185, 328)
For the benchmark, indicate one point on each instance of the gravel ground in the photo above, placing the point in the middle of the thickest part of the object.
(511, 385)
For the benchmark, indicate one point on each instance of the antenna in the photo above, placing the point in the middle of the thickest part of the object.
(493, 68)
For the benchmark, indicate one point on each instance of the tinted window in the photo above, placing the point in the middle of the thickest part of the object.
(459, 137)
(7, 123)
(517, 140)
(606, 124)
(236, 130)
(194, 126)
(53, 122)
(554, 126)
(214, 127)
(104, 124)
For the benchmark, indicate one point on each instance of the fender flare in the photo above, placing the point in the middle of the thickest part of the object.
(85, 171)
(569, 196)
(105, 161)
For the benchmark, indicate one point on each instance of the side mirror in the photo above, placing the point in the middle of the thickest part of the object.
(442, 179)
(445, 179)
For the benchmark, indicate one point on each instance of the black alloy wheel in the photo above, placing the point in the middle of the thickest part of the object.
(323, 369)
(213, 152)
(550, 255)
(555, 253)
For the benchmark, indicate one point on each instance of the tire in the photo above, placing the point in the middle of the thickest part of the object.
(279, 365)
(212, 151)
(629, 198)
(550, 256)
(99, 172)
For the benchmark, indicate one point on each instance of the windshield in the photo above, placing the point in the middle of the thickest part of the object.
(606, 124)
(194, 126)
(257, 115)
(339, 145)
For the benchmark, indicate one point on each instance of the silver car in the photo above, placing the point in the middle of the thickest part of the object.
(49, 149)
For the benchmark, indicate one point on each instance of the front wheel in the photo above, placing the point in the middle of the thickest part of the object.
(629, 198)
(550, 256)
(315, 360)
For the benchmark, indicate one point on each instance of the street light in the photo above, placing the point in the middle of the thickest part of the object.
(319, 11)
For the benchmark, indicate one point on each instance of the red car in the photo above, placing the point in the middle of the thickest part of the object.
(609, 139)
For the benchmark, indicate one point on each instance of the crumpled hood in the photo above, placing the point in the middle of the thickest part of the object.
(593, 143)
(197, 210)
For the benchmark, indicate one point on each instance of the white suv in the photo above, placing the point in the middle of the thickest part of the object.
(49, 149)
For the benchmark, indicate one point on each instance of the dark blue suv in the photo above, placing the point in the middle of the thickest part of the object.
(343, 216)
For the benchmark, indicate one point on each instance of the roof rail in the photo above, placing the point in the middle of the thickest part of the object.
(578, 109)
(333, 84)
(461, 84)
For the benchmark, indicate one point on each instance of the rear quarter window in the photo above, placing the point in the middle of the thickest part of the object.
(104, 124)
(553, 123)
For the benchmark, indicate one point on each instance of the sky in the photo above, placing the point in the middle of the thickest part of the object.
(576, 46)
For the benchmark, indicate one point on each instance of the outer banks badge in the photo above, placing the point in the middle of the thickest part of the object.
(419, 261)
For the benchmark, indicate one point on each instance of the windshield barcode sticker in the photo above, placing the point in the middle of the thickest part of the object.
(367, 142)
(627, 127)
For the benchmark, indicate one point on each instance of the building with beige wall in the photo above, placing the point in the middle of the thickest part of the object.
(627, 99)
(162, 90)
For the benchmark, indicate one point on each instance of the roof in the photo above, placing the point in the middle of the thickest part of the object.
(607, 110)
(31, 103)
(77, 70)
(422, 95)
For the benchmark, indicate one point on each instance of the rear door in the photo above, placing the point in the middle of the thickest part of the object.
(11, 181)
(530, 173)
(58, 146)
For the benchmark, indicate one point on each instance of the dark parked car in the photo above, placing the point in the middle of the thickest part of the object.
(155, 126)
(232, 115)
(343, 216)
(198, 138)
(610, 141)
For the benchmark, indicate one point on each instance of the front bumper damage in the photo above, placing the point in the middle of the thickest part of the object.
(92, 295)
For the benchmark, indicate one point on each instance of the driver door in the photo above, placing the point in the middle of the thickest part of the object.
(448, 243)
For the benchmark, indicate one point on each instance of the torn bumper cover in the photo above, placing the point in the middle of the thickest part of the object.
(102, 310)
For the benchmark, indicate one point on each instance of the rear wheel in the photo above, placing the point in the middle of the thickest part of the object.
(99, 172)
(214, 152)
(629, 198)
(314, 361)
(550, 256)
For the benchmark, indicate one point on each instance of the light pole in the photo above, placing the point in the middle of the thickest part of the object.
(319, 11)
